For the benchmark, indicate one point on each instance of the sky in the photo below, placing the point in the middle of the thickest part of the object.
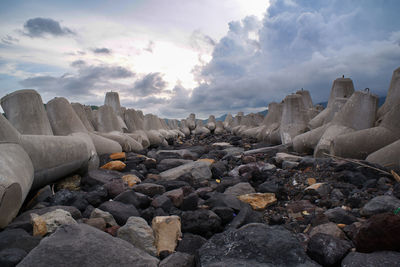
(175, 57)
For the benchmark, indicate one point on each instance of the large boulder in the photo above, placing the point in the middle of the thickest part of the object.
(200, 170)
(83, 245)
(254, 244)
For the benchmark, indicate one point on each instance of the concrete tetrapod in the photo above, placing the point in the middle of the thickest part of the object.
(388, 156)
(219, 127)
(294, 118)
(358, 113)
(184, 129)
(16, 173)
(200, 129)
(134, 122)
(360, 144)
(25, 111)
(80, 110)
(228, 122)
(191, 121)
(65, 121)
(211, 123)
(271, 123)
(341, 88)
(306, 142)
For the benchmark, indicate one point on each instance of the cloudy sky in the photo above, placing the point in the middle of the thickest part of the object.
(173, 57)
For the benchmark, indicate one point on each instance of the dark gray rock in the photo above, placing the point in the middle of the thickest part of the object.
(254, 245)
(339, 215)
(100, 177)
(120, 211)
(202, 222)
(178, 259)
(97, 195)
(162, 202)
(139, 200)
(83, 245)
(378, 258)
(65, 197)
(18, 238)
(190, 202)
(223, 200)
(226, 214)
(380, 204)
(172, 184)
(245, 216)
(115, 187)
(167, 164)
(327, 250)
(11, 256)
(149, 189)
(190, 243)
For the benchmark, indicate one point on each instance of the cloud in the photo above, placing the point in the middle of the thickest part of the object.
(9, 40)
(150, 47)
(101, 51)
(152, 83)
(88, 79)
(40, 27)
(298, 44)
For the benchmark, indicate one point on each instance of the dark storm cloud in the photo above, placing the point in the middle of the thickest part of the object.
(152, 83)
(87, 78)
(101, 51)
(39, 27)
(301, 44)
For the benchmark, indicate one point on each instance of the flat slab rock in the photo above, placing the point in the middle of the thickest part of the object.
(256, 245)
(83, 245)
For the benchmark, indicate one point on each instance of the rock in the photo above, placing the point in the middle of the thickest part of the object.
(97, 196)
(254, 245)
(98, 223)
(201, 222)
(82, 245)
(65, 197)
(199, 170)
(288, 165)
(329, 229)
(149, 189)
(113, 230)
(18, 238)
(137, 232)
(327, 250)
(150, 163)
(222, 144)
(162, 202)
(167, 164)
(114, 187)
(24, 220)
(43, 195)
(240, 189)
(100, 177)
(11, 256)
(269, 187)
(120, 211)
(246, 215)
(311, 181)
(71, 183)
(106, 216)
(131, 180)
(171, 185)
(176, 196)
(190, 243)
(181, 153)
(339, 215)
(167, 232)
(258, 201)
(118, 155)
(280, 157)
(139, 200)
(50, 221)
(378, 258)
(380, 204)
(190, 202)
(115, 165)
(226, 214)
(218, 170)
(178, 259)
(223, 200)
(380, 232)
(208, 161)
(321, 189)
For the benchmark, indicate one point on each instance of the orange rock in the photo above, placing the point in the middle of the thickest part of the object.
(341, 225)
(210, 161)
(39, 226)
(118, 155)
(131, 179)
(115, 165)
(258, 201)
(311, 181)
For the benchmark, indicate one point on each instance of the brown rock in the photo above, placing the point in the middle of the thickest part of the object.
(98, 223)
(153, 176)
(311, 181)
(380, 232)
(50, 221)
(258, 201)
(113, 230)
(39, 226)
(167, 232)
(115, 165)
(131, 180)
(329, 229)
(118, 155)
(176, 196)
(248, 159)
(71, 183)
(209, 161)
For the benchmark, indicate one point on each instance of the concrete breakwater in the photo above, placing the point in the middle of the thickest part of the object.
(40, 145)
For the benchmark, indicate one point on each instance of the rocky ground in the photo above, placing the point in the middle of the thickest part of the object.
(236, 203)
